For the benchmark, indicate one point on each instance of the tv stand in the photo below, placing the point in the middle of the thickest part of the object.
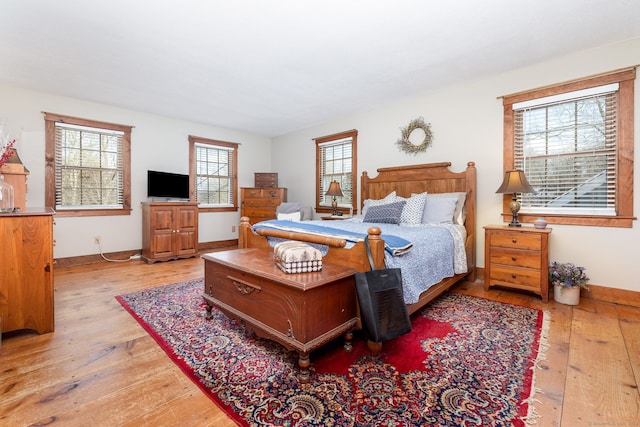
(169, 231)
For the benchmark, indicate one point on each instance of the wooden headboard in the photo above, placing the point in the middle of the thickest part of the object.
(432, 178)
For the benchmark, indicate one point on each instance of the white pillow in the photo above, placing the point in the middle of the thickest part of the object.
(439, 210)
(295, 216)
(413, 209)
(389, 198)
(460, 214)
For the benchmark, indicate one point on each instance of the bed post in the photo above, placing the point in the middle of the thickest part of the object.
(470, 222)
(377, 247)
(243, 230)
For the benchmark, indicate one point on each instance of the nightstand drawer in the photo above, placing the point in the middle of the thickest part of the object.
(522, 277)
(515, 240)
(515, 257)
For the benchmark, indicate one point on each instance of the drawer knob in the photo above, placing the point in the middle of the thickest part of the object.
(513, 275)
(514, 240)
(513, 258)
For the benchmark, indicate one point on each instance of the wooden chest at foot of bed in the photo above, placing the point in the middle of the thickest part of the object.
(301, 311)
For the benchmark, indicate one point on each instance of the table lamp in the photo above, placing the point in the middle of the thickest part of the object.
(515, 182)
(334, 191)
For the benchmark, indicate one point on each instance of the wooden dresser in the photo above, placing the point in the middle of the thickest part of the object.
(26, 270)
(259, 204)
(169, 230)
(517, 257)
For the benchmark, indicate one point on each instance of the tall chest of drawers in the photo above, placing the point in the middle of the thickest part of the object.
(259, 204)
(517, 257)
(26, 270)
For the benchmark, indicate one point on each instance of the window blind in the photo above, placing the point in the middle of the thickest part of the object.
(89, 170)
(567, 148)
(214, 174)
(336, 165)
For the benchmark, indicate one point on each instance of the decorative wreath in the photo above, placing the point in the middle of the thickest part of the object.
(406, 145)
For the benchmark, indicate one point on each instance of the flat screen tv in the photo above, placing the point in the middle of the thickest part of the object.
(167, 185)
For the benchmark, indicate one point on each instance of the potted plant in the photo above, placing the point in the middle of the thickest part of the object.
(567, 279)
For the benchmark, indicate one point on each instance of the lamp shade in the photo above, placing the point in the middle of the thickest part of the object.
(334, 189)
(515, 182)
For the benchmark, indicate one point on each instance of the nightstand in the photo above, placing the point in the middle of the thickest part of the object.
(517, 257)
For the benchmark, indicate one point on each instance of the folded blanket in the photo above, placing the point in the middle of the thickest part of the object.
(394, 245)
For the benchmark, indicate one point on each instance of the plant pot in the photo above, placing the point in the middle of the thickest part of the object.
(569, 295)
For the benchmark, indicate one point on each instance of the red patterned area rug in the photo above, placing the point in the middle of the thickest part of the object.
(467, 362)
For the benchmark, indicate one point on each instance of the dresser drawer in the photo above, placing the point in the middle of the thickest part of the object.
(271, 203)
(263, 193)
(515, 258)
(515, 240)
(519, 277)
(262, 212)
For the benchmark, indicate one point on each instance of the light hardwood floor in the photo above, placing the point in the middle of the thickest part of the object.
(101, 368)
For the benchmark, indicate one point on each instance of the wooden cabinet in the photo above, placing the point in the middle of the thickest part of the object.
(259, 204)
(169, 230)
(26, 270)
(517, 257)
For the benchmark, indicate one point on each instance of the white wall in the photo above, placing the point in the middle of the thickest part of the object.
(157, 143)
(467, 123)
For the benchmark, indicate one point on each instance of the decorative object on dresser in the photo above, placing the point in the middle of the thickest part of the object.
(265, 179)
(13, 179)
(334, 191)
(517, 258)
(567, 279)
(260, 204)
(26, 270)
(169, 230)
(540, 223)
(515, 182)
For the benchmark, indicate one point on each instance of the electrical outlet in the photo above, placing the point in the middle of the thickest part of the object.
(97, 240)
(233, 228)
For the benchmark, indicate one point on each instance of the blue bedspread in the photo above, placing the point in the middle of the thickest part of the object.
(437, 251)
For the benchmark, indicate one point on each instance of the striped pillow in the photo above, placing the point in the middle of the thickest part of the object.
(386, 214)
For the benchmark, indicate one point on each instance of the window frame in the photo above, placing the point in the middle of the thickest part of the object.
(625, 148)
(353, 134)
(193, 140)
(50, 164)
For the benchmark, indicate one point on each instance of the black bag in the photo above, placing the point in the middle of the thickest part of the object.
(382, 309)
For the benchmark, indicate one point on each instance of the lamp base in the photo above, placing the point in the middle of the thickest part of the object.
(514, 206)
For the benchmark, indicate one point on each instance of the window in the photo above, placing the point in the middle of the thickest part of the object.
(575, 144)
(336, 161)
(87, 166)
(213, 174)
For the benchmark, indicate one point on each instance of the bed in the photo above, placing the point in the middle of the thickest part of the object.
(405, 181)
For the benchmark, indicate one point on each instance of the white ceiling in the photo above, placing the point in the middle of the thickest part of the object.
(272, 67)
